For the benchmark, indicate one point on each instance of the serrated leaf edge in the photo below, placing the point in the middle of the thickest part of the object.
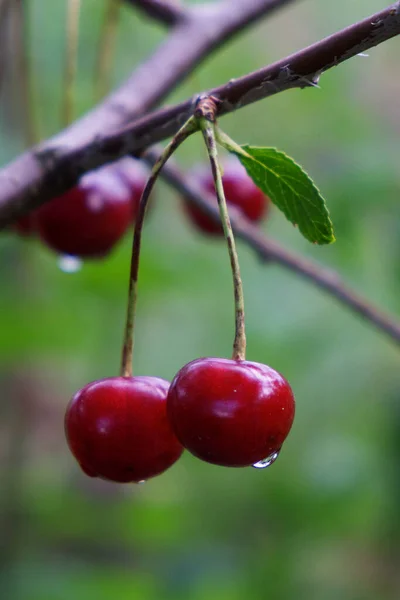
(330, 240)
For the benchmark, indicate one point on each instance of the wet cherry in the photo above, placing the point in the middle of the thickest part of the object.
(89, 219)
(230, 413)
(117, 429)
(240, 191)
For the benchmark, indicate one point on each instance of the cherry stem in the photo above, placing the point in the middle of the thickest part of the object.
(71, 59)
(105, 53)
(127, 352)
(239, 344)
(25, 70)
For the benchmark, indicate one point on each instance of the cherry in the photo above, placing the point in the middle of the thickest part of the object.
(230, 412)
(89, 219)
(117, 429)
(240, 191)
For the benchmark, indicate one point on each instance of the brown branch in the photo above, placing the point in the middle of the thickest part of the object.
(52, 168)
(302, 69)
(35, 176)
(204, 30)
(25, 183)
(272, 252)
(167, 12)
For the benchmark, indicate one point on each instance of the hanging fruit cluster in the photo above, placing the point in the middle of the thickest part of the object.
(228, 412)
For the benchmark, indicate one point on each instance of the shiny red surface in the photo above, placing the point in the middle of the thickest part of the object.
(117, 429)
(240, 191)
(230, 413)
(89, 219)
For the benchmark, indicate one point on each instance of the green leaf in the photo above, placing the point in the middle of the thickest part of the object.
(291, 189)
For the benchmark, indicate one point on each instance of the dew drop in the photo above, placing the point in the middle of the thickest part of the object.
(69, 264)
(141, 482)
(266, 462)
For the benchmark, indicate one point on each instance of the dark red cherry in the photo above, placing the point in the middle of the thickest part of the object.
(89, 219)
(117, 429)
(240, 191)
(230, 413)
(134, 175)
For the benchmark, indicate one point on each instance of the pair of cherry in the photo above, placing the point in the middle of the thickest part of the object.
(226, 412)
(89, 220)
(233, 413)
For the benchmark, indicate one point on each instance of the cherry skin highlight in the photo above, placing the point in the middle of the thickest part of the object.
(89, 219)
(228, 412)
(117, 429)
(240, 191)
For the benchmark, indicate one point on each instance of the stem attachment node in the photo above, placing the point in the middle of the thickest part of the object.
(207, 108)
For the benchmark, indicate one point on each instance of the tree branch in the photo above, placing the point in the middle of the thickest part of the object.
(169, 13)
(29, 180)
(53, 167)
(272, 252)
(204, 29)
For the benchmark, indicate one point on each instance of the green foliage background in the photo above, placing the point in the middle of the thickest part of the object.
(323, 522)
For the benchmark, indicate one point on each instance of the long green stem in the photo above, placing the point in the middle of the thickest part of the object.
(127, 352)
(239, 344)
(106, 48)
(25, 72)
(71, 59)
(228, 143)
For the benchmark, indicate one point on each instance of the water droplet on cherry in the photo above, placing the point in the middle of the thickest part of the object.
(267, 462)
(69, 264)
